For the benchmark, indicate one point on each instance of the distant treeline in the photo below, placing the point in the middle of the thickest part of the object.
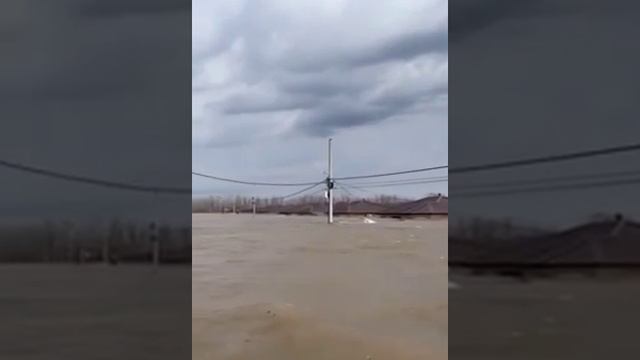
(506, 229)
(218, 204)
(491, 229)
(116, 242)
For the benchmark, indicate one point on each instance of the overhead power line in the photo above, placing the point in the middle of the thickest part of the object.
(539, 189)
(255, 183)
(445, 179)
(392, 173)
(297, 195)
(299, 192)
(402, 181)
(344, 189)
(547, 180)
(364, 188)
(93, 181)
(354, 187)
(546, 159)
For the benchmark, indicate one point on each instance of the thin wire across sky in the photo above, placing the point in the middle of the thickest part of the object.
(93, 181)
(621, 178)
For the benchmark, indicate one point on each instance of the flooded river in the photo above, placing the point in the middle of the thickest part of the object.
(568, 317)
(62, 311)
(278, 288)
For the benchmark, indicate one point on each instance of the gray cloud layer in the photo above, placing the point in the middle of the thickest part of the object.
(328, 72)
(281, 76)
(94, 88)
(534, 78)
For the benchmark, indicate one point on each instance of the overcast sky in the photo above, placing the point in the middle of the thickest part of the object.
(536, 78)
(272, 80)
(98, 89)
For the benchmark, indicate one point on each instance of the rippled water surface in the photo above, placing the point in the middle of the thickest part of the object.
(277, 287)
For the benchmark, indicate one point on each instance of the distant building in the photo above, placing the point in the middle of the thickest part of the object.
(431, 206)
(613, 242)
(359, 207)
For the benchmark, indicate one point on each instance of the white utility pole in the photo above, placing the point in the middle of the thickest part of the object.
(330, 187)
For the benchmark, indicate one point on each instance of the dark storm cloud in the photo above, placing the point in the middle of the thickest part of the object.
(265, 61)
(242, 104)
(332, 99)
(326, 106)
(294, 91)
(472, 16)
(404, 47)
(324, 121)
(114, 8)
(322, 85)
(97, 57)
(405, 99)
(272, 79)
(87, 94)
(551, 81)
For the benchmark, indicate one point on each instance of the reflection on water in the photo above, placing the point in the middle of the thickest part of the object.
(275, 287)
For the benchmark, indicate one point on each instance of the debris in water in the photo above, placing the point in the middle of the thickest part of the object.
(369, 221)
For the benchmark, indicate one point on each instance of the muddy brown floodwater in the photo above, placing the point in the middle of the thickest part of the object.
(567, 317)
(278, 288)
